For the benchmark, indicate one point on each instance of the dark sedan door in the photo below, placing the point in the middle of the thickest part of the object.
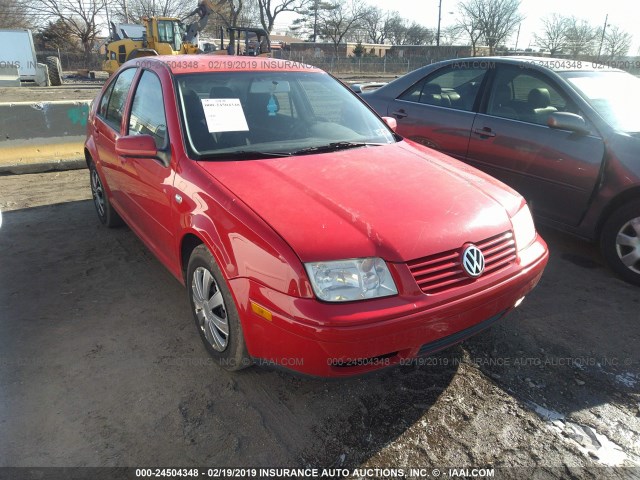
(556, 170)
(437, 111)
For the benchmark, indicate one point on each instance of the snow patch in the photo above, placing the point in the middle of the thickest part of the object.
(585, 438)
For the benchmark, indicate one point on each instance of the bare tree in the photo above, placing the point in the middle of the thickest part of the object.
(468, 26)
(54, 36)
(495, 19)
(397, 29)
(581, 37)
(270, 9)
(308, 23)
(403, 32)
(617, 43)
(14, 15)
(376, 24)
(553, 37)
(420, 35)
(133, 11)
(82, 18)
(250, 14)
(338, 21)
(450, 35)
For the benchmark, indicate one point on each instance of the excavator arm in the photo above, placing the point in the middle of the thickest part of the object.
(203, 11)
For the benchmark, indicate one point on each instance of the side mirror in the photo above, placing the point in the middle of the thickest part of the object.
(137, 146)
(391, 122)
(567, 121)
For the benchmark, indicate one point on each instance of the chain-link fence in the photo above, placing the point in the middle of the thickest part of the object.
(362, 65)
(366, 65)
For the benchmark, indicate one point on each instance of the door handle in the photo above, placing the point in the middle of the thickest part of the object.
(399, 113)
(484, 132)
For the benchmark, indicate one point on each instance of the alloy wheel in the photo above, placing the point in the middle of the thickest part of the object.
(210, 308)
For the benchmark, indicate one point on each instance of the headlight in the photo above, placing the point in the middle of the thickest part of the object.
(348, 280)
(523, 228)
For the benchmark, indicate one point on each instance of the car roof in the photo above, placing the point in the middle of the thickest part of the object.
(183, 64)
(555, 64)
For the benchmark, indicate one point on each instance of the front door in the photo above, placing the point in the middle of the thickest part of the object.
(555, 170)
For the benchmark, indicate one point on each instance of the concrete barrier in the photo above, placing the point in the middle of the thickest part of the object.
(9, 76)
(42, 136)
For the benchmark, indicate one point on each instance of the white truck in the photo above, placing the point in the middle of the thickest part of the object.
(18, 61)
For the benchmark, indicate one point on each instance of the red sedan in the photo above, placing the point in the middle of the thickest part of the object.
(308, 234)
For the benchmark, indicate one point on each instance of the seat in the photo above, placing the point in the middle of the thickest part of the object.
(221, 92)
(201, 138)
(264, 122)
(539, 105)
(431, 94)
(501, 103)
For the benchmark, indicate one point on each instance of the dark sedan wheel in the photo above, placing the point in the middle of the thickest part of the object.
(621, 242)
(214, 311)
(105, 211)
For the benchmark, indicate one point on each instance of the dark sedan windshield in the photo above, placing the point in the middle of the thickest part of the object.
(265, 113)
(614, 95)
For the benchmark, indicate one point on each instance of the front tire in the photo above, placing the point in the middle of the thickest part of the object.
(620, 242)
(214, 311)
(107, 215)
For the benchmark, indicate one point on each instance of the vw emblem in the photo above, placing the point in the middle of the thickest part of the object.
(473, 261)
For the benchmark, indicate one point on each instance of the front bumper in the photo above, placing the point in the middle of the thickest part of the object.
(332, 340)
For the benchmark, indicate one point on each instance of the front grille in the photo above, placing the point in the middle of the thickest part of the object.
(443, 271)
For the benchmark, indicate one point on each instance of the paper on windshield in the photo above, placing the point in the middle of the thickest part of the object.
(224, 115)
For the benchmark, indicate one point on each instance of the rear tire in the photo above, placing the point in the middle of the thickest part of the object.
(620, 242)
(215, 312)
(107, 215)
(55, 71)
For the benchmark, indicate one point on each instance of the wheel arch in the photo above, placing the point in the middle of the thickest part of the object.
(188, 244)
(87, 156)
(627, 196)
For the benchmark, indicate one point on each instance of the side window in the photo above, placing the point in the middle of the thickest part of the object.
(118, 97)
(525, 96)
(104, 101)
(449, 87)
(147, 112)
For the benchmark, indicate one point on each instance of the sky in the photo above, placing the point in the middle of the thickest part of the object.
(622, 13)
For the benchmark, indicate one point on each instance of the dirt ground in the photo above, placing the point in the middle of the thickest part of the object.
(101, 365)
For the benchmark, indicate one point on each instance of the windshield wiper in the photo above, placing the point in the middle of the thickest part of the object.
(335, 146)
(243, 155)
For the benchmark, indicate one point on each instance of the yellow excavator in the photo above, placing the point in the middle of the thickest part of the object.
(170, 36)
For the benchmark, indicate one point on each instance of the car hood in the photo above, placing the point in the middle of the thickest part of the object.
(397, 201)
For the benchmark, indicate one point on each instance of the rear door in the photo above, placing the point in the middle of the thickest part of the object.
(438, 110)
(107, 127)
(555, 170)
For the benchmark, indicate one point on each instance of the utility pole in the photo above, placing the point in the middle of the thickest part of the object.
(315, 19)
(439, 20)
(517, 38)
(126, 11)
(604, 29)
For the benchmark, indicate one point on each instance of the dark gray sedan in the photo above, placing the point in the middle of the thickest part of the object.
(564, 133)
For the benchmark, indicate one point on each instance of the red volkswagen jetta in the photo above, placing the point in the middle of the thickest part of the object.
(307, 233)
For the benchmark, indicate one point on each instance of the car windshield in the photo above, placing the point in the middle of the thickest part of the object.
(273, 113)
(614, 95)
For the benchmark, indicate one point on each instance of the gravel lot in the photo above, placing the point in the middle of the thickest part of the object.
(101, 365)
